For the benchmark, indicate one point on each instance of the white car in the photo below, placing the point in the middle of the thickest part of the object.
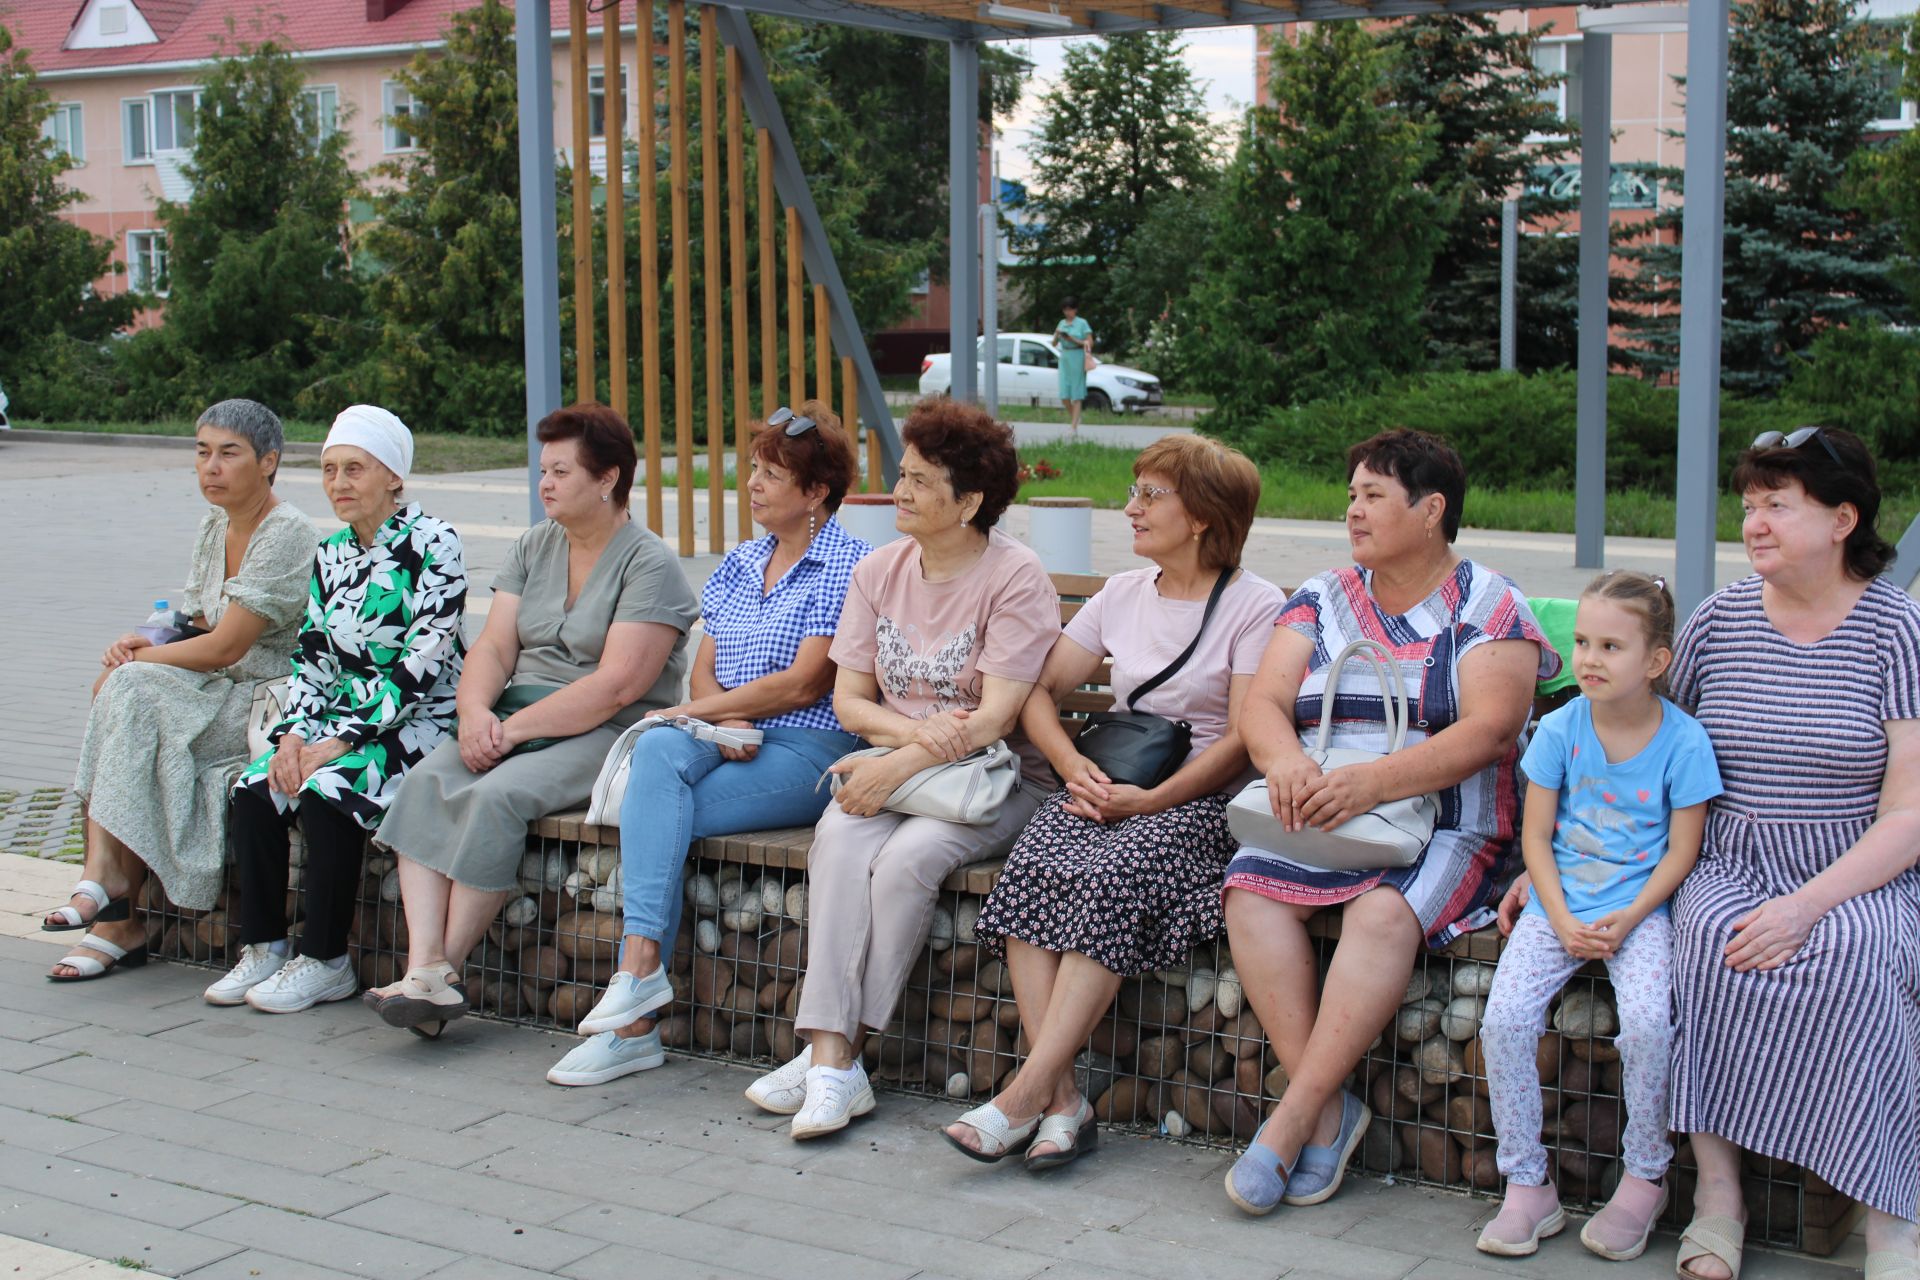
(1029, 371)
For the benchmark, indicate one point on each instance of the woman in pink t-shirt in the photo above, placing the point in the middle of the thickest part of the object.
(943, 634)
(1111, 880)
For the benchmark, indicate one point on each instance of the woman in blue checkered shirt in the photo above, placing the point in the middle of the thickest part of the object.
(770, 609)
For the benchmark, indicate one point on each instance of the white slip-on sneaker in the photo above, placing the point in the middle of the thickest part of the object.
(257, 964)
(627, 1000)
(608, 1057)
(833, 1099)
(302, 983)
(783, 1089)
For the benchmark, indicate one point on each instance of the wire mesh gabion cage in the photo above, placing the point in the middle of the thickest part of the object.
(1181, 1053)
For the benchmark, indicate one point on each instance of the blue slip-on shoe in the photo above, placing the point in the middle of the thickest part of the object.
(628, 999)
(1257, 1180)
(607, 1057)
(1319, 1170)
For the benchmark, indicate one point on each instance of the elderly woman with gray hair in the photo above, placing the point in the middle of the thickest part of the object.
(168, 724)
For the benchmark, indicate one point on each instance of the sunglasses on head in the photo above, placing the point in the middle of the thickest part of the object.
(795, 424)
(1795, 439)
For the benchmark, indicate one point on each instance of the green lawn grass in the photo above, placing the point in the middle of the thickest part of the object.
(1102, 472)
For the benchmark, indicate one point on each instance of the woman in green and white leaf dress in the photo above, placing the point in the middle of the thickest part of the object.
(372, 693)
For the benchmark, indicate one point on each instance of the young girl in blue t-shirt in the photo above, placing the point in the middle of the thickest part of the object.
(1618, 785)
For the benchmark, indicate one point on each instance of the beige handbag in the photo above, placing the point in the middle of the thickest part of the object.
(969, 790)
(269, 709)
(1391, 834)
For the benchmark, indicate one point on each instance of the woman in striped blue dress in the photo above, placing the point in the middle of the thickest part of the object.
(1797, 937)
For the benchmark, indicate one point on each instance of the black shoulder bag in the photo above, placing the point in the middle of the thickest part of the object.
(1138, 748)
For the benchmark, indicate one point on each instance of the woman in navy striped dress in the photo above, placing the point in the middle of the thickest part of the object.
(1797, 937)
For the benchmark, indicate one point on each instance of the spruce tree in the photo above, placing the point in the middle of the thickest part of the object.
(1478, 87)
(1802, 253)
(1316, 275)
(47, 264)
(257, 254)
(444, 254)
(1124, 126)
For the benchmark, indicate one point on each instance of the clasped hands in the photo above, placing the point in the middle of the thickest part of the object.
(867, 781)
(294, 761)
(1303, 795)
(1764, 938)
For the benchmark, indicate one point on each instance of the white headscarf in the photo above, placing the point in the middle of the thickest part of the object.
(378, 432)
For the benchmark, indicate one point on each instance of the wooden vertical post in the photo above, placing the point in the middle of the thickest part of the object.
(586, 384)
(822, 346)
(737, 248)
(614, 73)
(682, 285)
(769, 293)
(796, 313)
(647, 95)
(710, 277)
(850, 405)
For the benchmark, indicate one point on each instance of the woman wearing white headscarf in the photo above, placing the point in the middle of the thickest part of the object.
(372, 693)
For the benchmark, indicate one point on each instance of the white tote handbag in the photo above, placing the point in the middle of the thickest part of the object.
(1391, 834)
(969, 790)
(610, 787)
(269, 709)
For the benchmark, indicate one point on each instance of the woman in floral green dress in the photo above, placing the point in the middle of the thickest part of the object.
(372, 694)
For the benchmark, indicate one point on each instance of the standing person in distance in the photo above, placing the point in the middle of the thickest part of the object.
(1073, 339)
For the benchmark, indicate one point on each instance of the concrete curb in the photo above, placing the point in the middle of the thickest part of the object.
(298, 448)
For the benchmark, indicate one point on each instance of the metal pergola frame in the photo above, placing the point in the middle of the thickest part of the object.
(964, 27)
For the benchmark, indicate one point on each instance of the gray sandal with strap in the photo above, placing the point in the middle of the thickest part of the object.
(1712, 1236)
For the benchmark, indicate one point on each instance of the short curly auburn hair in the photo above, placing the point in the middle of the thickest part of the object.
(823, 455)
(976, 451)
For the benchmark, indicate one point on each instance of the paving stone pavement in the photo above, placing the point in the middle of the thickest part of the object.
(139, 1123)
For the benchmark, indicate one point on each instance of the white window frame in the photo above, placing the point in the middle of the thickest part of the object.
(73, 116)
(391, 93)
(1566, 94)
(145, 262)
(323, 126)
(129, 135)
(1906, 119)
(597, 99)
(153, 119)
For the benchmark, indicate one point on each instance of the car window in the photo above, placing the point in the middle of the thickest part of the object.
(1038, 355)
(1004, 346)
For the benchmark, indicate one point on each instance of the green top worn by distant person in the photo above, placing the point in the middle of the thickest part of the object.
(1073, 356)
(1556, 620)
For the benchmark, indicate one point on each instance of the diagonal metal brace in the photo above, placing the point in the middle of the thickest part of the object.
(791, 182)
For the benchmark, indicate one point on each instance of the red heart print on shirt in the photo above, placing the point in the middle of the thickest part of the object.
(1643, 793)
(1608, 796)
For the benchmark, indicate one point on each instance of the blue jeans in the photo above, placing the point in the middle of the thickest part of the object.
(681, 789)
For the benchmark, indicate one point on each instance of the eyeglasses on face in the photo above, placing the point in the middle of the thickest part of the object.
(1795, 439)
(795, 424)
(1144, 494)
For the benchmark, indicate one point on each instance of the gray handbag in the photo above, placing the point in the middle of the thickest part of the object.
(969, 790)
(1391, 834)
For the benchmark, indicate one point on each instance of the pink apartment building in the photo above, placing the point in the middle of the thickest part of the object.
(122, 75)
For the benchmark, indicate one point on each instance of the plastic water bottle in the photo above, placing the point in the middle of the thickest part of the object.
(160, 627)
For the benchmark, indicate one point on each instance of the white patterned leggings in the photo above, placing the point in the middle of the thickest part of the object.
(1533, 969)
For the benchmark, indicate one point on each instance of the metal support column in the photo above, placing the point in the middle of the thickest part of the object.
(1702, 243)
(791, 182)
(1509, 284)
(540, 269)
(990, 308)
(1596, 248)
(963, 184)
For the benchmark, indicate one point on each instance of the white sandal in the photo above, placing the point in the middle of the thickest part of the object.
(91, 966)
(1071, 1135)
(427, 1000)
(106, 910)
(994, 1128)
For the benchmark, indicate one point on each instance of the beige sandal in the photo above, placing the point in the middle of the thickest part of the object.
(1712, 1236)
(428, 999)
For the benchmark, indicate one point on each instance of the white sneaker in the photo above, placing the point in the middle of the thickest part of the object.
(257, 964)
(783, 1089)
(302, 983)
(833, 1099)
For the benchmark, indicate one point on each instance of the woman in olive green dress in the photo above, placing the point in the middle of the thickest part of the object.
(586, 634)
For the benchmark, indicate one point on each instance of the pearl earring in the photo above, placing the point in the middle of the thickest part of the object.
(606, 497)
(810, 523)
